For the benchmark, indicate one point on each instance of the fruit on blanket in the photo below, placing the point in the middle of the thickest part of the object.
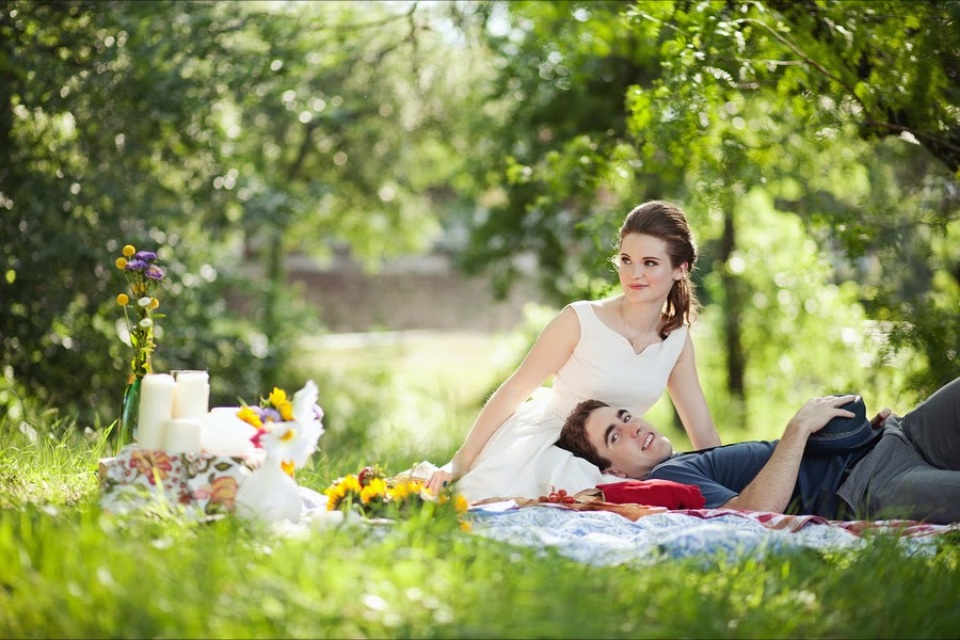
(559, 495)
(364, 476)
(369, 473)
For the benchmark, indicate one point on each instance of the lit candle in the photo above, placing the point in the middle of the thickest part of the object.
(181, 436)
(192, 396)
(156, 407)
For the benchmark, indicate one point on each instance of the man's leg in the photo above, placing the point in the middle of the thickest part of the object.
(933, 428)
(922, 493)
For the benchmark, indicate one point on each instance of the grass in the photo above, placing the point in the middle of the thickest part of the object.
(69, 571)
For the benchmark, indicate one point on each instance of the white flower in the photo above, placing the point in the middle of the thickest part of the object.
(284, 441)
(295, 441)
(145, 301)
(308, 415)
(146, 322)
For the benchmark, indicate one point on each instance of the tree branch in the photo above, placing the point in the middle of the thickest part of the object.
(803, 56)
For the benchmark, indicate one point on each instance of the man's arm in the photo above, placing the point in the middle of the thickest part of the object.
(773, 486)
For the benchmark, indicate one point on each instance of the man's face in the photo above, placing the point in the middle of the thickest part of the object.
(631, 444)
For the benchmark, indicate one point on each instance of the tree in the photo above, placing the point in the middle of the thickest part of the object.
(194, 128)
(733, 97)
(840, 71)
(338, 121)
(100, 135)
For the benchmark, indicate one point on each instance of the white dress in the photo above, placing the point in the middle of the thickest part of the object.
(521, 459)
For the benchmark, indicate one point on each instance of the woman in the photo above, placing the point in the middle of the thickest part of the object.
(624, 350)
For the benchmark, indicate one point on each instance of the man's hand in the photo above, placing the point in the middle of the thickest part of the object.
(817, 412)
(878, 419)
(773, 486)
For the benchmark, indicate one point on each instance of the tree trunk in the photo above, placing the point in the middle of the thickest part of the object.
(733, 292)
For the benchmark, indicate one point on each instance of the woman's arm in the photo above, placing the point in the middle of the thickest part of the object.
(551, 350)
(687, 396)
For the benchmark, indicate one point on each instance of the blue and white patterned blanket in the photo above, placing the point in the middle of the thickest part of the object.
(604, 538)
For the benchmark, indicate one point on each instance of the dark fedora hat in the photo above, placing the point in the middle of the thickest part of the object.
(845, 433)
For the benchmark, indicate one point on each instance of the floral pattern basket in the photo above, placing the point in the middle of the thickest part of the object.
(203, 485)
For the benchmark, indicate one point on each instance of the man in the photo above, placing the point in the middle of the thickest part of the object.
(908, 469)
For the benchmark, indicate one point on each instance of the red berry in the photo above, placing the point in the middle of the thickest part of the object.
(365, 475)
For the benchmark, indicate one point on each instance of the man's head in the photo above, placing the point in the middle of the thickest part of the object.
(614, 440)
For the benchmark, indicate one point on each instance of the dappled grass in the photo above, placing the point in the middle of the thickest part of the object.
(69, 570)
(56, 465)
(73, 572)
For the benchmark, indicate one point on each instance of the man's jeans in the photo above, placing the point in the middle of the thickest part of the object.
(914, 471)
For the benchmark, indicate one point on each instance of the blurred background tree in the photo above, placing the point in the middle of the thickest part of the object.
(206, 131)
(813, 144)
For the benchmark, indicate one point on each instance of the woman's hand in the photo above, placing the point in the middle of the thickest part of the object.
(438, 481)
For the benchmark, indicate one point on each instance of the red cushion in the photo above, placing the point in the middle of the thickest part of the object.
(657, 493)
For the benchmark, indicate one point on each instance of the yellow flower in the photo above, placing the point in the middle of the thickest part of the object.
(376, 489)
(460, 504)
(279, 401)
(123, 299)
(121, 263)
(277, 396)
(129, 250)
(287, 467)
(154, 303)
(250, 416)
(333, 498)
(336, 493)
(351, 483)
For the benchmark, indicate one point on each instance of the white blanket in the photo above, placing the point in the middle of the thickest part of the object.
(604, 538)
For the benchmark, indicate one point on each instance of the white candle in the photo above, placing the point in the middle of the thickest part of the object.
(156, 407)
(223, 433)
(182, 436)
(192, 395)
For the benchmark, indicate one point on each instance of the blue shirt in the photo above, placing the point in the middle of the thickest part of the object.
(722, 473)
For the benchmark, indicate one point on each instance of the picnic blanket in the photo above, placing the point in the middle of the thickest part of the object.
(607, 537)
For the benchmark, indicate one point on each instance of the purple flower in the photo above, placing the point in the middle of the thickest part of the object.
(145, 255)
(154, 273)
(268, 414)
(137, 265)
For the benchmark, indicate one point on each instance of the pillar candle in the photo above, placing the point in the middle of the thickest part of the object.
(182, 436)
(192, 395)
(156, 407)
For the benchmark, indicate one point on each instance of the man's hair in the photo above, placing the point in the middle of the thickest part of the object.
(573, 435)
